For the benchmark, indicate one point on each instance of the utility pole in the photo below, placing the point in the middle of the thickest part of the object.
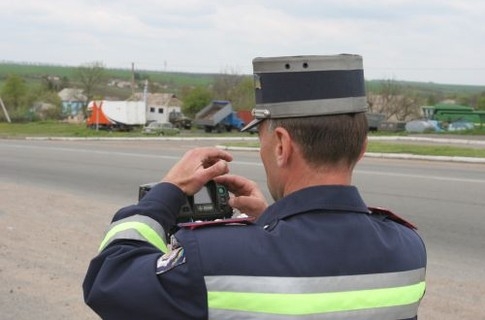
(132, 79)
(5, 111)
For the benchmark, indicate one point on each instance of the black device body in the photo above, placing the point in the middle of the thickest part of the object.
(210, 203)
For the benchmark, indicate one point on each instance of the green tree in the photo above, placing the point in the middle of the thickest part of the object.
(44, 104)
(14, 96)
(239, 89)
(395, 101)
(14, 91)
(91, 76)
(225, 84)
(481, 101)
(51, 83)
(65, 83)
(195, 99)
(242, 96)
(464, 100)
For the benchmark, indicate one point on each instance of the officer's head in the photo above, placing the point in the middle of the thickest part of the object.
(319, 101)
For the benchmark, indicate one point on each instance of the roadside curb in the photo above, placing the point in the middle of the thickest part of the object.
(169, 138)
(405, 156)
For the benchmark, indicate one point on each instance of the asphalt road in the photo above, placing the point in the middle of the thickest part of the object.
(57, 197)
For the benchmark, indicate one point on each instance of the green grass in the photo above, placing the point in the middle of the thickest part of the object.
(60, 129)
(54, 129)
(430, 150)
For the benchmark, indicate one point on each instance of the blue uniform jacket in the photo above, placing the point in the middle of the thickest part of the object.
(316, 233)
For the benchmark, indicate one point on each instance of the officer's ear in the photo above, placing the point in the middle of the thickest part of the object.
(284, 147)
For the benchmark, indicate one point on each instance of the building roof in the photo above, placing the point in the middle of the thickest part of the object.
(72, 94)
(160, 99)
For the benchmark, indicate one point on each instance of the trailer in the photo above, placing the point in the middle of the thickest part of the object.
(116, 115)
(218, 116)
(126, 115)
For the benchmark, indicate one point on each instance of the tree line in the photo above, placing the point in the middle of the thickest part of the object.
(24, 102)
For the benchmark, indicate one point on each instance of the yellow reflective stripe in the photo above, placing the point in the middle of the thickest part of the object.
(142, 229)
(314, 303)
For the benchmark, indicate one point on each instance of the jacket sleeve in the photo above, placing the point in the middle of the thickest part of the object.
(129, 279)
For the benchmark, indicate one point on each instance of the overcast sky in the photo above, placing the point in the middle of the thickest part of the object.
(440, 41)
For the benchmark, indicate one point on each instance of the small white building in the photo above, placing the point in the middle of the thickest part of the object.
(159, 105)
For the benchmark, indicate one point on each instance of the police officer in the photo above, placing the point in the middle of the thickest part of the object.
(317, 252)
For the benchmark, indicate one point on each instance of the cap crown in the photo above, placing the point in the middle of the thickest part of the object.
(303, 86)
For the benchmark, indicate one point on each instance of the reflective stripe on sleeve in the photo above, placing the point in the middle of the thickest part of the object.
(387, 295)
(136, 227)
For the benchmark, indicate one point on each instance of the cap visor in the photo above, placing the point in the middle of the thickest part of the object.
(252, 124)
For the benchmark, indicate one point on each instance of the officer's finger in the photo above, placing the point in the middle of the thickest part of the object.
(252, 206)
(236, 184)
(205, 174)
(211, 156)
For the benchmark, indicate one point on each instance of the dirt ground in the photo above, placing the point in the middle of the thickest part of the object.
(48, 237)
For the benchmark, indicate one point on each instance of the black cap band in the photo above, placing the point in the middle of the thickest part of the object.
(315, 85)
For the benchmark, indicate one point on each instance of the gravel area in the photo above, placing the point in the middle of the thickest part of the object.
(47, 239)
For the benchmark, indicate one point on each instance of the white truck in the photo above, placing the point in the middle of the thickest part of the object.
(125, 115)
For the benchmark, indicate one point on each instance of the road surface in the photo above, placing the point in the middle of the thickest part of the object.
(57, 198)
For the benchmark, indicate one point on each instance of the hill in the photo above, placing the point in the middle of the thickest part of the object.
(431, 87)
(34, 74)
(174, 81)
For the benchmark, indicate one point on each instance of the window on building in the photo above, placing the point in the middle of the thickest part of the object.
(152, 110)
(160, 110)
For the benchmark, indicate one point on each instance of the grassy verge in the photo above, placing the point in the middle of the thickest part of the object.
(428, 150)
(59, 129)
(51, 129)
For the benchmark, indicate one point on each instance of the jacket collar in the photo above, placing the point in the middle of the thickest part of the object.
(317, 198)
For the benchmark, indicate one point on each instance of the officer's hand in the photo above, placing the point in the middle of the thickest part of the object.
(247, 198)
(197, 167)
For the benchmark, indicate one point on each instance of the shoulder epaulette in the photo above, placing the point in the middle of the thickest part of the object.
(391, 215)
(219, 222)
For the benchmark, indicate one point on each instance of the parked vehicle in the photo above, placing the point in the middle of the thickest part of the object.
(392, 126)
(449, 113)
(179, 120)
(116, 115)
(420, 126)
(218, 116)
(126, 115)
(160, 129)
(247, 116)
(374, 120)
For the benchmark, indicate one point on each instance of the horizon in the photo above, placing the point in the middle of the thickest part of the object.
(47, 64)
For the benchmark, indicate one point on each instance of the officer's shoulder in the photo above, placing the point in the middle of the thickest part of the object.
(379, 211)
(215, 223)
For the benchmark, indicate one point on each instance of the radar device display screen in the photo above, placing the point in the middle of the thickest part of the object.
(210, 203)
